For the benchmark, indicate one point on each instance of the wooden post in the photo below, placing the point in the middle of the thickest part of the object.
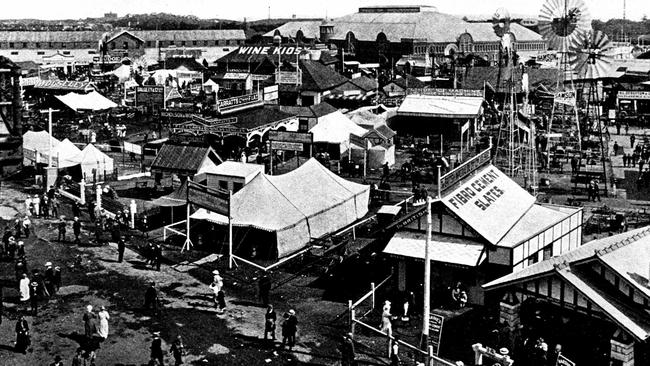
(82, 192)
(133, 207)
(98, 196)
(372, 288)
(354, 233)
(230, 259)
(429, 356)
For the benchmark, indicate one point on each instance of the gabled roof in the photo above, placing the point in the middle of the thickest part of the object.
(317, 77)
(190, 63)
(127, 33)
(183, 158)
(365, 83)
(508, 206)
(408, 81)
(191, 35)
(312, 111)
(57, 36)
(587, 251)
(385, 131)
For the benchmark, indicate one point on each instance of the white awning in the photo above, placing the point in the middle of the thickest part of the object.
(440, 106)
(445, 249)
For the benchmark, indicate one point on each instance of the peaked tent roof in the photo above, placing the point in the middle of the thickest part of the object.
(66, 150)
(289, 201)
(39, 141)
(91, 154)
(335, 128)
(91, 101)
(176, 198)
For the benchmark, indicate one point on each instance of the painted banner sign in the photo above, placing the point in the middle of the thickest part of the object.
(62, 85)
(633, 94)
(212, 199)
(232, 103)
(265, 50)
(435, 331)
(290, 146)
(445, 92)
(463, 170)
(565, 97)
(179, 115)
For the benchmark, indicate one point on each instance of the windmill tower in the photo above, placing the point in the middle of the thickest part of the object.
(563, 23)
(591, 59)
(511, 148)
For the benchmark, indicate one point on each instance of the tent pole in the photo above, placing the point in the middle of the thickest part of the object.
(188, 242)
(230, 258)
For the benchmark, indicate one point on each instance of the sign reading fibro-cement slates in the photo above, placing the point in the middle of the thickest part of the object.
(490, 202)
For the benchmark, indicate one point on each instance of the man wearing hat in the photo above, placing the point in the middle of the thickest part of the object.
(156, 349)
(289, 329)
(49, 278)
(89, 323)
(33, 293)
(151, 298)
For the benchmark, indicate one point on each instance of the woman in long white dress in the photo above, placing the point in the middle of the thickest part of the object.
(103, 323)
(24, 288)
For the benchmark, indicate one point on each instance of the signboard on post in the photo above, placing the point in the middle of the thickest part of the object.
(212, 199)
(287, 136)
(289, 146)
(435, 331)
(633, 94)
(153, 95)
(566, 97)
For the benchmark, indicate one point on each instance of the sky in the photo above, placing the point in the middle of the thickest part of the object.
(258, 9)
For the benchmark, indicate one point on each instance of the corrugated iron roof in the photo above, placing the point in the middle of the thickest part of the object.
(182, 158)
(95, 36)
(429, 26)
(318, 77)
(444, 248)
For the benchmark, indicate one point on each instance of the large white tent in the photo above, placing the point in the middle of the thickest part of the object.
(91, 158)
(92, 101)
(65, 150)
(335, 128)
(36, 146)
(306, 203)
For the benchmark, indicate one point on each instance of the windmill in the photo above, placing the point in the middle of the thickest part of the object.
(564, 23)
(513, 154)
(591, 59)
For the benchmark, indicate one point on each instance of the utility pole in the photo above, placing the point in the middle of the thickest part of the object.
(49, 129)
(427, 280)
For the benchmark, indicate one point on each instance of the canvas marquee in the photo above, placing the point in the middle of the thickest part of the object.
(90, 158)
(306, 203)
(92, 101)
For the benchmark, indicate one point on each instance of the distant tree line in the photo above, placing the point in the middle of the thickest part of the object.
(619, 29)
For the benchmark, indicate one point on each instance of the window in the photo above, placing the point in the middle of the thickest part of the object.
(50, 45)
(303, 125)
(24, 44)
(64, 45)
(548, 252)
(205, 43)
(38, 45)
(149, 44)
(40, 53)
(237, 186)
(183, 43)
(11, 45)
(113, 45)
(227, 42)
(171, 43)
(125, 45)
(194, 43)
(66, 52)
(223, 184)
(216, 43)
(226, 50)
(92, 52)
(532, 259)
(14, 52)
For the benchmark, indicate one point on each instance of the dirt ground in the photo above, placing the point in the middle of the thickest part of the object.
(232, 338)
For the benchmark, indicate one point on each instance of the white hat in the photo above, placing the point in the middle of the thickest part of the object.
(21, 242)
(292, 312)
(48, 264)
(89, 308)
(504, 351)
(215, 272)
